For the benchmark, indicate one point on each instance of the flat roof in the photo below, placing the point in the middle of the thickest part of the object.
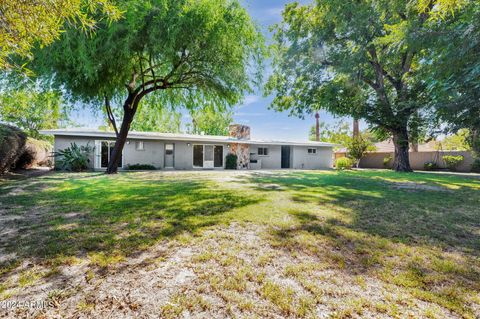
(178, 137)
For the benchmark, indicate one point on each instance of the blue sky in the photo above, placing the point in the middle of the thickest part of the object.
(264, 123)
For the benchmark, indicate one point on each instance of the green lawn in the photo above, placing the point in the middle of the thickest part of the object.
(236, 244)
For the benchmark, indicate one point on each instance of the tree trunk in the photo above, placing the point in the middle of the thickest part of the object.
(129, 109)
(475, 141)
(317, 127)
(401, 162)
(356, 128)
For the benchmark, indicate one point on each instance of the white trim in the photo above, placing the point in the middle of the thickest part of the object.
(179, 137)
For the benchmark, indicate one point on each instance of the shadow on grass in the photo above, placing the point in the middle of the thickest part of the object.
(371, 203)
(110, 215)
(361, 224)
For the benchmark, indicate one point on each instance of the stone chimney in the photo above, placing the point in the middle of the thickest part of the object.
(238, 131)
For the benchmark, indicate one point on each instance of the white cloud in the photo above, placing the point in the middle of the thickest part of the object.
(249, 114)
(250, 99)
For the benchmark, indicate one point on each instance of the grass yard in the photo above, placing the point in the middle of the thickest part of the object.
(360, 244)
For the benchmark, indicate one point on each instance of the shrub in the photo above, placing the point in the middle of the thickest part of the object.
(26, 159)
(42, 150)
(452, 161)
(231, 161)
(387, 161)
(35, 153)
(141, 167)
(357, 147)
(476, 165)
(430, 166)
(75, 158)
(12, 144)
(344, 163)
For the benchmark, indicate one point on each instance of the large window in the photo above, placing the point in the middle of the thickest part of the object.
(263, 151)
(207, 156)
(106, 153)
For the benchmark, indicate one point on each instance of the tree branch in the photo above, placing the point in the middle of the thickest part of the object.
(111, 117)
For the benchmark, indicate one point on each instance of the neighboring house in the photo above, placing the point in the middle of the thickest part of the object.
(186, 152)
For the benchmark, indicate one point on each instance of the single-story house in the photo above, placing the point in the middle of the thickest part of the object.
(187, 152)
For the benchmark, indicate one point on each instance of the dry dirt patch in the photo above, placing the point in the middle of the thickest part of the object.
(226, 272)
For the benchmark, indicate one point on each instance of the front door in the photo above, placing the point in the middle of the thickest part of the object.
(218, 156)
(169, 155)
(285, 156)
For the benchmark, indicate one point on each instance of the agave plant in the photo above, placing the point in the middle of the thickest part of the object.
(74, 158)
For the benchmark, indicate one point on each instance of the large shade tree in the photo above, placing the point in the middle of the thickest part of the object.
(454, 81)
(210, 121)
(357, 58)
(187, 52)
(32, 109)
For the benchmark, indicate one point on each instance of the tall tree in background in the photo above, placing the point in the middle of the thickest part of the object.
(454, 81)
(357, 58)
(23, 24)
(157, 119)
(188, 53)
(32, 110)
(151, 116)
(209, 121)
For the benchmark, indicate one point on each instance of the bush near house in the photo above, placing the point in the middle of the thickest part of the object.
(430, 166)
(344, 163)
(12, 143)
(74, 158)
(452, 162)
(231, 161)
(387, 161)
(141, 167)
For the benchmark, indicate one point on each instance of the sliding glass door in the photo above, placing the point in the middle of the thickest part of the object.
(207, 156)
(103, 153)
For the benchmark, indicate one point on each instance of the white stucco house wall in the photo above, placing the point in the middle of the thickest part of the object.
(189, 152)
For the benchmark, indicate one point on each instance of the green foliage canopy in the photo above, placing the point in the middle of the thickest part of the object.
(152, 117)
(199, 50)
(31, 109)
(358, 58)
(188, 53)
(454, 81)
(23, 24)
(210, 121)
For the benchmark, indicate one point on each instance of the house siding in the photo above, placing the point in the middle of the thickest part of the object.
(154, 153)
(271, 161)
(321, 160)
